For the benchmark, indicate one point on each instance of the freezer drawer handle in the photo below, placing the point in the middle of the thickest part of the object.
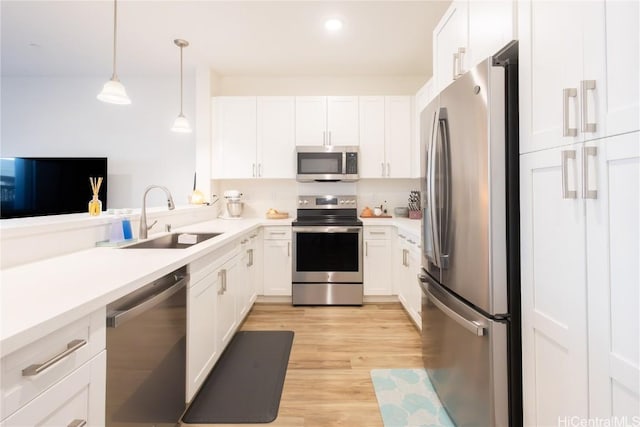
(35, 369)
(470, 325)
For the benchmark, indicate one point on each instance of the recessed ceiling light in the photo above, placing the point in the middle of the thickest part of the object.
(333, 25)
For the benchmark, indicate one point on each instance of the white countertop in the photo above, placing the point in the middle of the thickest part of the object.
(40, 297)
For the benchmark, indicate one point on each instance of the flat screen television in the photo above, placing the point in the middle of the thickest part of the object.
(34, 186)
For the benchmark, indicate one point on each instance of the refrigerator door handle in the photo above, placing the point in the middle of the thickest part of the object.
(431, 190)
(470, 325)
(445, 165)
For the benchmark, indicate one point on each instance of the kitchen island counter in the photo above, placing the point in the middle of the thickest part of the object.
(39, 297)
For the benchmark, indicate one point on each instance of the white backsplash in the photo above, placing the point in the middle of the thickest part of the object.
(260, 195)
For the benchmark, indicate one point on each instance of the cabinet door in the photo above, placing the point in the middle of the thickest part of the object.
(201, 331)
(256, 260)
(78, 397)
(342, 120)
(613, 251)
(618, 73)
(276, 137)
(311, 120)
(372, 156)
(234, 154)
(398, 146)
(243, 287)
(413, 291)
(277, 267)
(377, 267)
(554, 334)
(449, 36)
(226, 302)
(550, 61)
(491, 27)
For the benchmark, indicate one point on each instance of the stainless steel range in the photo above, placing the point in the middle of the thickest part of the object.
(327, 252)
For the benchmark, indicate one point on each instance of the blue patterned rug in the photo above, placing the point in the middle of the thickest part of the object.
(407, 398)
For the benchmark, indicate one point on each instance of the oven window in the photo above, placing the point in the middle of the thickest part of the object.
(327, 251)
(319, 163)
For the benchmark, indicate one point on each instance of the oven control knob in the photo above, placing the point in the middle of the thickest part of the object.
(306, 202)
(352, 201)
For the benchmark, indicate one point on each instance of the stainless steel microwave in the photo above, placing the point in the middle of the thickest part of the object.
(326, 163)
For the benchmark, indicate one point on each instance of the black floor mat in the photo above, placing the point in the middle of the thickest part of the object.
(246, 384)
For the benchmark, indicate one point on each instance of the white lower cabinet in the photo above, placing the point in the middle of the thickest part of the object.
(76, 400)
(202, 350)
(218, 298)
(228, 290)
(277, 260)
(580, 298)
(377, 260)
(406, 264)
(59, 378)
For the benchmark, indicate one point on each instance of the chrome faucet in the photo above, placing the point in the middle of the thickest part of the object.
(143, 214)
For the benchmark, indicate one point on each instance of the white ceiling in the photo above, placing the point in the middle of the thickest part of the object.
(238, 38)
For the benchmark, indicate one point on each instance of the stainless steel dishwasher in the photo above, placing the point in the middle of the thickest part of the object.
(146, 345)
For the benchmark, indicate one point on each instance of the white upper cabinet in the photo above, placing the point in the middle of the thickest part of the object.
(276, 137)
(234, 130)
(578, 71)
(322, 120)
(492, 24)
(469, 32)
(372, 152)
(386, 146)
(311, 120)
(397, 135)
(253, 137)
(620, 104)
(449, 45)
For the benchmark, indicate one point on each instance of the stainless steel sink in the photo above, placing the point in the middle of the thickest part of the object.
(170, 241)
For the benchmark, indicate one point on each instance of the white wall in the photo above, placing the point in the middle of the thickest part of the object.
(259, 195)
(58, 116)
(308, 85)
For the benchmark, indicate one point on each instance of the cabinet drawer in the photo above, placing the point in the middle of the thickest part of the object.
(19, 388)
(377, 233)
(207, 264)
(412, 240)
(77, 398)
(277, 233)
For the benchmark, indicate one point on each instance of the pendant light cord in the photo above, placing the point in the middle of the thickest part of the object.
(181, 86)
(115, 32)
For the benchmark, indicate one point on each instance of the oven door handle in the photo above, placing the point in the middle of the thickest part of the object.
(327, 229)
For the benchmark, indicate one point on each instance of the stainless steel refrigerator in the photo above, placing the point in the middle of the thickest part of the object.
(470, 231)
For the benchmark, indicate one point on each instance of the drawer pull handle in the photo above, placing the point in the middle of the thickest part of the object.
(378, 232)
(38, 368)
(77, 423)
(277, 232)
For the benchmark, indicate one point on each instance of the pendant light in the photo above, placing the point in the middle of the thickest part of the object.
(113, 91)
(181, 124)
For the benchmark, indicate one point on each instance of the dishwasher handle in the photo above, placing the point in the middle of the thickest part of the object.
(119, 317)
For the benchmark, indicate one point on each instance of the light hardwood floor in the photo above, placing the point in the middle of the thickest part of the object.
(328, 380)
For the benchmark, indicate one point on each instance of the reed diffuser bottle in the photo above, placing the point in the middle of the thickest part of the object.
(95, 205)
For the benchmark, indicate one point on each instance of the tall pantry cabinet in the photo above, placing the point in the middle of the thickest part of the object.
(580, 204)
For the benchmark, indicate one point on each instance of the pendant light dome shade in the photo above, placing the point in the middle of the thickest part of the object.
(113, 91)
(181, 124)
